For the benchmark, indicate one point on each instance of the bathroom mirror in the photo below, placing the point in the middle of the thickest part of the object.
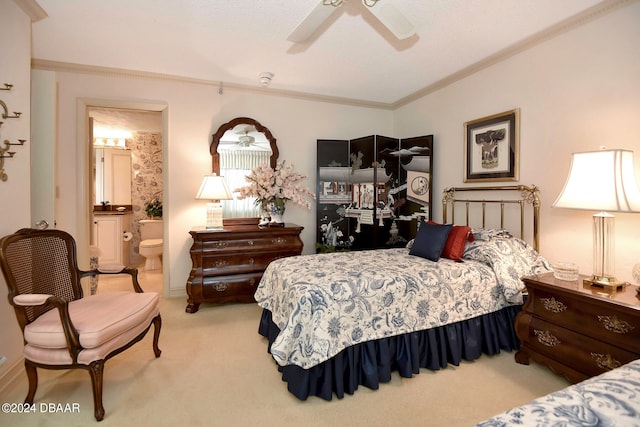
(236, 148)
(112, 176)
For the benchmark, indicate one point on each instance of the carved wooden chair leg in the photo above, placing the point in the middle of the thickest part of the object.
(96, 370)
(157, 324)
(32, 374)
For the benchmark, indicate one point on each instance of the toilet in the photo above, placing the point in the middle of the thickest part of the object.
(151, 243)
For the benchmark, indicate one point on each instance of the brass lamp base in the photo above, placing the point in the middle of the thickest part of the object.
(605, 282)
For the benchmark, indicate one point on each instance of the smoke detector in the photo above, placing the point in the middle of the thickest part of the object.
(265, 78)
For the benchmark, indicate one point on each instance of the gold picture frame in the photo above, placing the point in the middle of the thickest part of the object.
(492, 148)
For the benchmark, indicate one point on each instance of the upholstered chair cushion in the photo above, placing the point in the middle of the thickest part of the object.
(104, 322)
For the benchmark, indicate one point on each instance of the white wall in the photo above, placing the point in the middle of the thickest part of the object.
(15, 45)
(194, 112)
(576, 92)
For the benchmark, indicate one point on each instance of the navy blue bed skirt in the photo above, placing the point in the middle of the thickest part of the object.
(372, 362)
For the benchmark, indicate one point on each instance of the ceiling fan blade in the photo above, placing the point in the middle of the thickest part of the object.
(246, 140)
(245, 130)
(393, 19)
(311, 22)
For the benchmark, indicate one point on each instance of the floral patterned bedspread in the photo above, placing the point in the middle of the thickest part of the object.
(610, 399)
(324, 303)
(510, 258)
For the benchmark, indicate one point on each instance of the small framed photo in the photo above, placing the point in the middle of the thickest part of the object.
(492, 148)
(418, 187)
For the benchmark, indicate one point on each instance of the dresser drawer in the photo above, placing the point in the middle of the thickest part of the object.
(257, 244)
(599, 321)
(238, 263)
(582, 353)
(237, 287)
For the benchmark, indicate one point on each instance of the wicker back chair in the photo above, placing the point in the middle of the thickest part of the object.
(61, 328)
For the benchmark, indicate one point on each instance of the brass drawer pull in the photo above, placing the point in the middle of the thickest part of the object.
(545, 338)
(221, 244)
(250, 242)
(553, 305)
(605, 361)
(279, 241)
(613, 324)
(251, 261)
(221, 287)
(221, 263)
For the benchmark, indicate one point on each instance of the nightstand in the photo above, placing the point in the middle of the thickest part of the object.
(227, 264)
(578, 331)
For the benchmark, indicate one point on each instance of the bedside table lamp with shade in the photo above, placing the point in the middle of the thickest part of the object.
(602, 181)
(214, 188)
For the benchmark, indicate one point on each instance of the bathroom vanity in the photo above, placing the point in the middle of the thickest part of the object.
(108, 235)
(112, 210)
(228, 264)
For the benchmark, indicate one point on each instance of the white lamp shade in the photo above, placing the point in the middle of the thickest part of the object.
(601, 180)
(214, 187)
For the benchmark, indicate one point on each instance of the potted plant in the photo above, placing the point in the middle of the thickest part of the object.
(154, 209)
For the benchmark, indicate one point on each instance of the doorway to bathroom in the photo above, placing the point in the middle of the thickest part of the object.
(126, 167)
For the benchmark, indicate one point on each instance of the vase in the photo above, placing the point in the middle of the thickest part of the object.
(276, 211)
(265, 215)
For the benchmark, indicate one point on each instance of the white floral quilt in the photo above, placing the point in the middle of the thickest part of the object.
(325, 303)
(610, 399)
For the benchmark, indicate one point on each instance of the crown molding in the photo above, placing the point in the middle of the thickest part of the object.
(47, 65)
(568, 24)
(32, 9)
(560, 28)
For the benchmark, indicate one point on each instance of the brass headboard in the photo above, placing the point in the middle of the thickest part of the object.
(527, 195)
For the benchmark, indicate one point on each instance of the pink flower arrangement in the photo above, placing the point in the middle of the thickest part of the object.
(276, 186)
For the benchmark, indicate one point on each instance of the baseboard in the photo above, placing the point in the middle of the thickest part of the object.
(177, 292)
(9, 378)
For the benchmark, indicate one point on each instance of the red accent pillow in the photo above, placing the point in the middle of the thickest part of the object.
(458, 237)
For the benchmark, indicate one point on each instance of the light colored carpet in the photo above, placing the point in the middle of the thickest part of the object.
(215, 371)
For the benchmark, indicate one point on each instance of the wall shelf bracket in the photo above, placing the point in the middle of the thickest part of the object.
(4, 151)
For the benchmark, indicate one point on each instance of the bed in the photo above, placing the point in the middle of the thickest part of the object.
(336, 321)
(610, 399)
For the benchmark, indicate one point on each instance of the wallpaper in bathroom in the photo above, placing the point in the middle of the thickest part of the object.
(146, 181)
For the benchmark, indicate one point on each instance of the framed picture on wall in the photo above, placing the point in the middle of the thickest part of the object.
(492, 148)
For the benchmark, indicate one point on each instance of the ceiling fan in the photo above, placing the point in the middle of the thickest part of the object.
(389, 15)
(247, 141)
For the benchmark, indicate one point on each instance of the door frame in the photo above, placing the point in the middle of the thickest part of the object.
(83, 203)
(44, 152)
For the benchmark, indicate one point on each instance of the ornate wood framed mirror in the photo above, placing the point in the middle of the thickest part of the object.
(235, 147)
(232, 131)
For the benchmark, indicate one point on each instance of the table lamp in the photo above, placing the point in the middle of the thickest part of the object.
(602, 181)
(214, 188)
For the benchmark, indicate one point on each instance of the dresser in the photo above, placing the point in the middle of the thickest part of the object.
(227, 264)
(577, 330)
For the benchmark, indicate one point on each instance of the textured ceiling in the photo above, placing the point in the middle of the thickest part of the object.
(121, 119)
(352, 56)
